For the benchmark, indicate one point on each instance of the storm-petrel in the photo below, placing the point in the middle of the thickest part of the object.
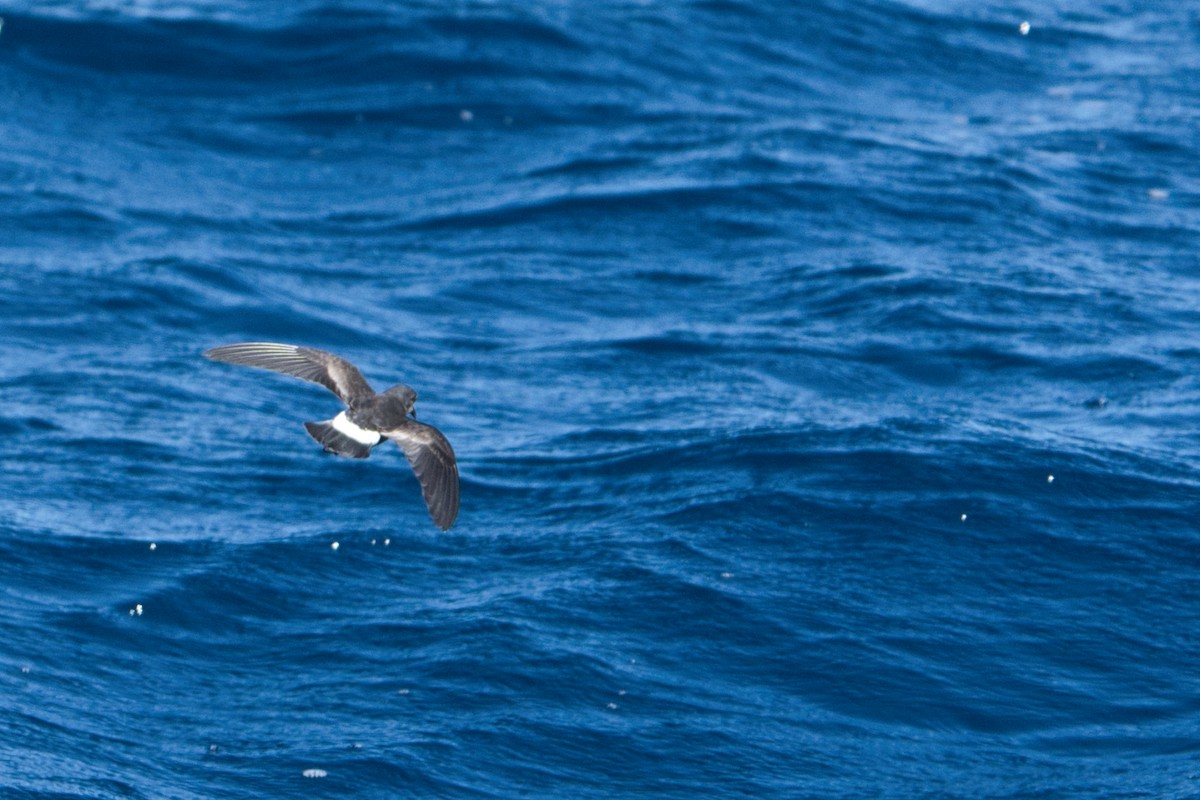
(369, 418)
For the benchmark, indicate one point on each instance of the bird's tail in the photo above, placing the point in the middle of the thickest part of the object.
(334, 441)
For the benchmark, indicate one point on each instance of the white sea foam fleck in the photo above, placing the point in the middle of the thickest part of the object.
(314, 773)
(335, 545)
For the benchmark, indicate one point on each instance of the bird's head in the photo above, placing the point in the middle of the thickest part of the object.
(406, 395)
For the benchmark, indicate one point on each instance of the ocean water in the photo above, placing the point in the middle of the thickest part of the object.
(823, 378)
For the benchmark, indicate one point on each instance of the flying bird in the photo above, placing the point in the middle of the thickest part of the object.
(369, 418)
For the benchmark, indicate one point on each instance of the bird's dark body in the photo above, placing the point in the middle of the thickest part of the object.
(383, 412)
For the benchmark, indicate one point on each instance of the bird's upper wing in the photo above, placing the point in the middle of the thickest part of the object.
(432, 459)
(336, 374)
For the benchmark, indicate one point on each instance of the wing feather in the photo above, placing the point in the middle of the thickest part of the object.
(432, 460)
(333, 372)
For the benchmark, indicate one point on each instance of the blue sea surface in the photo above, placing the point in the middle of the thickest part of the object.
(824, 378)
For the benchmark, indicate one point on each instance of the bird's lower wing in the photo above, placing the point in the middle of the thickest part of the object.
(432, 459)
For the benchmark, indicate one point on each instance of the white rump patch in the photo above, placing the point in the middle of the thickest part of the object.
(342, 424)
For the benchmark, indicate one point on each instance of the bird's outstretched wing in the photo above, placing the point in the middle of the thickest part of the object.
(334, 373)
(432, 459)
